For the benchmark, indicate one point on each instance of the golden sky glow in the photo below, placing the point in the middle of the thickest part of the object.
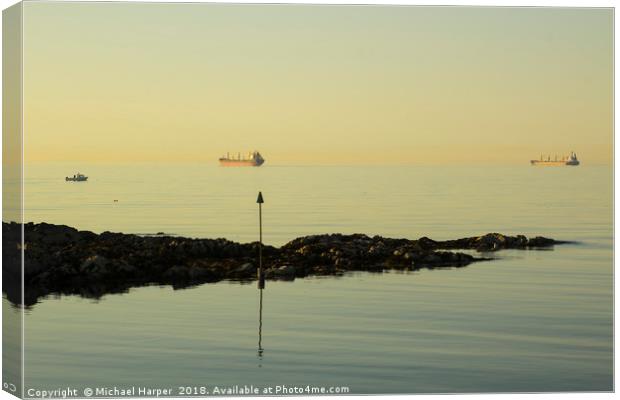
(316, 84)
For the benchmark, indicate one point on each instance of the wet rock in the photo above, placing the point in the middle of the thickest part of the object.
(342, 262)
(95, 267)
(432, 258)
(33, 267)
(60, 259)
(125, 268)
(95, 262)
(177, 273)
(378, 249)
(540, 241)
(85, 236)
(427, 243)
(198, 274)
(285, 270)
(244, 271)
(518, 241)
(491, 241)
(66, 270)
(247, 268)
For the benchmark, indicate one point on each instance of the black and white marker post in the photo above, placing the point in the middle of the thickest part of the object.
(261, 275)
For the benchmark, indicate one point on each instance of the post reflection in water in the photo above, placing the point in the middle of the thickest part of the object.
(260, 324)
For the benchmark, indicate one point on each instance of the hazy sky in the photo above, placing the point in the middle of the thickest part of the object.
(316, 84)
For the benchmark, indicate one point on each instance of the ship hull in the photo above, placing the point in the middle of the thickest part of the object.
(241, 163)
(554, 163)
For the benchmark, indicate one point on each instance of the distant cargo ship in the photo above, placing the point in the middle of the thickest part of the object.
(567, 160)
(254, 159)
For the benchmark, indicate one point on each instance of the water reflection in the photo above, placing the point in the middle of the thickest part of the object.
(260, 325)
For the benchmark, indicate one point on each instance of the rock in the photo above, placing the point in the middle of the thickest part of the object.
(95, 267)
(198, 273)
(378, 249)
(464, 258)
(125, 268)
(94, 263)
(66, 270)
(540, 241)
(60, 259)
(197, 248)
(307, 250)
(519, 241)
(247, 268)
(285, 270)
(427, 243)
(177, 273)
(491, 241)
(431, 258)
(54, 234)
(341, 262)
(33, 267)
(87, 236)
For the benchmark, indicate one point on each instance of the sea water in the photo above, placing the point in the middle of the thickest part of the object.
(527, 321)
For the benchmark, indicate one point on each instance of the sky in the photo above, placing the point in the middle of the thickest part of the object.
(135, 82)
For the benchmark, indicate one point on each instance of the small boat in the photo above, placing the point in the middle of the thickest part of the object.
(76, 178)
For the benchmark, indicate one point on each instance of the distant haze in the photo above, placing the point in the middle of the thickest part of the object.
(125, 82)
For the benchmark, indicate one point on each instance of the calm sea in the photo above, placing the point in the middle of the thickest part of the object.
(528, 321)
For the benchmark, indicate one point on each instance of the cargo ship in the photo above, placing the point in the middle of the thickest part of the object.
(567, 160)
(253, 159)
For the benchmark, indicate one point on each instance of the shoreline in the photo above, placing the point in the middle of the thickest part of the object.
(62, 260)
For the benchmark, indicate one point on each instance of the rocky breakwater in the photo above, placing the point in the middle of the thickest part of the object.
(62, 260)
